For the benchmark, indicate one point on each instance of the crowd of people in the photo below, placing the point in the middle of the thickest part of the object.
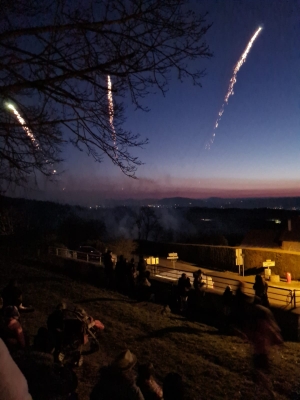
(250, 317)
(57, 347)
(127, 277)
(40, 369)
(123, 381)
(247, 316)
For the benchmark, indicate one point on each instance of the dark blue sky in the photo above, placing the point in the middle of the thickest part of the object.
(256, 151)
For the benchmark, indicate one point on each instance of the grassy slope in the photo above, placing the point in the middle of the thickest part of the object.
(212, 365)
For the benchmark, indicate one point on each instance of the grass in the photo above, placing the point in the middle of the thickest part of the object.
(213, 366)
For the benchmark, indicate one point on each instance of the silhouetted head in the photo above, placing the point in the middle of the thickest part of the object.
(124, 361)
(13, 282)
(173, 387)
(42, 332)
(241, 286)
(61, 306)
(183, 276)
(146, 371)
(11, 312)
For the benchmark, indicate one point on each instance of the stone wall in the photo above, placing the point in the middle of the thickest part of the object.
(223, 257)
(291, 246)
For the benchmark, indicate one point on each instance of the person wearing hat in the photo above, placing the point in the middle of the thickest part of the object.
(13, 335)
(118, 380)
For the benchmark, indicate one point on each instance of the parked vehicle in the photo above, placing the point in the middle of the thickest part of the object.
(88, 253)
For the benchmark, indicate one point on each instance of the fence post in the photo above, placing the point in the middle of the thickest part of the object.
(295, 300)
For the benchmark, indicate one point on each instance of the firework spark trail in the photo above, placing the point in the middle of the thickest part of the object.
(232, 82)
(24, 126)
(111, 112)
(27, 130)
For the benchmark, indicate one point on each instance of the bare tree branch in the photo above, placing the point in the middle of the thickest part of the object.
(55, 58)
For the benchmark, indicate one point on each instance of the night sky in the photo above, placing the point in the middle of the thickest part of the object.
(256, 151)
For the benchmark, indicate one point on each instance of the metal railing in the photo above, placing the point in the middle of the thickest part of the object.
(74, 254)
(278, 296)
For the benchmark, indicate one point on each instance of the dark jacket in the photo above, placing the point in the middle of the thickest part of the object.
(114, 385)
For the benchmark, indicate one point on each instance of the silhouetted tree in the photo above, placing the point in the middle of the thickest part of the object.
(56, 59)
(75, 231)
(123, 246)
(147, 223)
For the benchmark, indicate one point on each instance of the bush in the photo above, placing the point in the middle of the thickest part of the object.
(126, 247)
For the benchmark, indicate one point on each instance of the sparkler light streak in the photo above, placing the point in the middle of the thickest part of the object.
(232, 82)
(111, 112)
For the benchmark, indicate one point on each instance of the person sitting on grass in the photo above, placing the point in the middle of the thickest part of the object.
(12, 294)
(150, 388)
(43, 341)
(118, 380)
(55, 325)
(13, 334)
(46, 379)
(90, 322)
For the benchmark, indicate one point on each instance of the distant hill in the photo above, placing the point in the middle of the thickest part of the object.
(287, 203)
